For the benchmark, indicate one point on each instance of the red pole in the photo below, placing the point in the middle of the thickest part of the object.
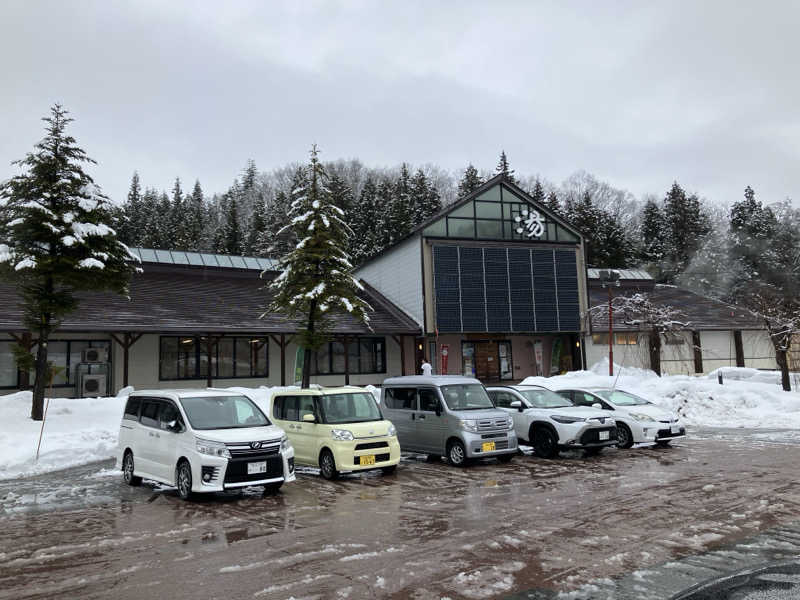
(610, 335)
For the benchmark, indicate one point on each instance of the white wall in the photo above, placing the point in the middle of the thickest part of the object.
(397, 274)
(759, 353)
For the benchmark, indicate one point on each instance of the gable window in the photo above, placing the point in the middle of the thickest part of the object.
(499, 214)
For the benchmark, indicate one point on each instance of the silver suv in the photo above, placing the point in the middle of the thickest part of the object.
(549, 422)
(447, 415)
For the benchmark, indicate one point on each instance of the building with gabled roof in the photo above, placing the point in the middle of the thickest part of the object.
(496, 283)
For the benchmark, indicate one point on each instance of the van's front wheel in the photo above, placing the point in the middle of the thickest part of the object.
(327, 465)
(183, 480)
(456, 453)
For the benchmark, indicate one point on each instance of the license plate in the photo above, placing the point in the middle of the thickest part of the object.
(487, 447)
(675, 429)
(603, 435)
(369, 459)
(256, 467)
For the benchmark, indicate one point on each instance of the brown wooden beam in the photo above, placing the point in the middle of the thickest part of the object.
(346, 343)
(282, 343)
(128, 340)
(401, 339)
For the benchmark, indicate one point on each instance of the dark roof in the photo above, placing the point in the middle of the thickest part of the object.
(184, 299)
(700, 312)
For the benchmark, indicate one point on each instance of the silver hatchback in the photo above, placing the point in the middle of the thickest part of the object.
(447, 415)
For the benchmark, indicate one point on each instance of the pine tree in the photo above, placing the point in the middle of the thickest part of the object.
(131, 224)
(537, 193)
(504, 168)
(652, 241)
(424, 199)
(384, 222)
(553, 203)
(55, 238)
(752, 229)
(232, 240)
(195, 218)
(258, 223)
(177, 218)
(401, 210)
(686, 226)
(316, 276)
(364, 223)
(470, 182)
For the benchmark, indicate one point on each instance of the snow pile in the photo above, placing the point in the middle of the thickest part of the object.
(77, 431)
(752, 375)
(699, 401)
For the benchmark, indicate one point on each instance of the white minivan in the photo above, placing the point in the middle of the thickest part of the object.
(202, 441)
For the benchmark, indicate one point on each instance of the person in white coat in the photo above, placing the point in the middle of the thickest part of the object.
(427, 369)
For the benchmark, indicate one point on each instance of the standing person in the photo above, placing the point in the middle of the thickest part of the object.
(426, 367)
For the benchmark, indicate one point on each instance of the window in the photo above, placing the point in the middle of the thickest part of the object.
(132, 409)
(428, 400)
(600, 339)
(674, 338)
(150, 413)
(400, 398)
(223, 412)
(349, 408)
(365, 356)
(502, 399)
(286, 408)
(231, 358)
(626, 339)
(169, 413)
(8, 365)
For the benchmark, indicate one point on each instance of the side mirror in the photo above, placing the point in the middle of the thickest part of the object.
(597, 405)
(516, 404)
(309, 418)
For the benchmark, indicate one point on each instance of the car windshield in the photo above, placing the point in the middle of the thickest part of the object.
(223, 412)
(544, 399)
(621, 398)
(469, 396)
(356, 407)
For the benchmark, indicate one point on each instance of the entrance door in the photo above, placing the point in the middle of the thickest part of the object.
(486, 364)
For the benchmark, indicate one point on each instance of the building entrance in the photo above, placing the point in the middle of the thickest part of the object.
(487, 360)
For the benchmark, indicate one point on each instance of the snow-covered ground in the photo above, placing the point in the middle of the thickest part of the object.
(79, 431)
(747, 398)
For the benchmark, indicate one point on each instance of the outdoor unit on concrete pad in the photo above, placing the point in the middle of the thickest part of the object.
(95, 355)
(93, 385)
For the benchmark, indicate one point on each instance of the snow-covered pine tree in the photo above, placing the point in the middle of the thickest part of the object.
(504, 168)
(177, 218)
(316, 276)
(257, 227)
(131, 225)
(384, 222)
(364, 223)
(195, 218)
(752, 228)
(470, 181)
(652, 241)
(537, 193)
(56, 239)
(553, 203)
(401, 209)
(686, 226)
(425, 200)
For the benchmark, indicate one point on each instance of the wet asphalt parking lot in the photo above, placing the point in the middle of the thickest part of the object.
(643, 523)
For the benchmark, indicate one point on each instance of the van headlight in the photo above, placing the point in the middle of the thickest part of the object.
(212, 448)
(285, 443)
(468, 425)
(342, 435)
(392, 430)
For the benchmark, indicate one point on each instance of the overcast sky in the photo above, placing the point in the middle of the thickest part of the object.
(638, 93)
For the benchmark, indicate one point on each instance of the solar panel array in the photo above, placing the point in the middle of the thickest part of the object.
(198, 259)
(505, 289)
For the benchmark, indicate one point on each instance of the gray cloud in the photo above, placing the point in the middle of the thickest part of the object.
(637, 93)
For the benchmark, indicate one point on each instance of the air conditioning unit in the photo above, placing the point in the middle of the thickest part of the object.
(93, 385)
(94, 355)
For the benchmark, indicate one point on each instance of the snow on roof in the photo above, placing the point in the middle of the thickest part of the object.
(637, 274)
(203, 259)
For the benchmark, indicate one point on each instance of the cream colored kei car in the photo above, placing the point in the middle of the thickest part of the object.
(337, 429)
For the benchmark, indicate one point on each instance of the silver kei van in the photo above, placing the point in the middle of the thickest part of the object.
(447, 415)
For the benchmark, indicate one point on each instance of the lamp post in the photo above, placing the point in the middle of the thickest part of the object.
(609, 279)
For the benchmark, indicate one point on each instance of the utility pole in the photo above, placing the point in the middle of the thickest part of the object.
(609, 279)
